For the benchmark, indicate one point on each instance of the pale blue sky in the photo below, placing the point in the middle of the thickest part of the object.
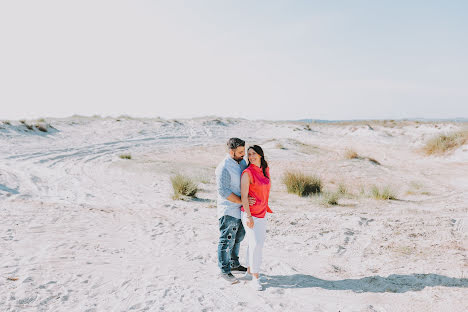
(251, 59)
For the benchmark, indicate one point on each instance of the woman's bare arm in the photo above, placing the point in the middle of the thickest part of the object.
(245, 182)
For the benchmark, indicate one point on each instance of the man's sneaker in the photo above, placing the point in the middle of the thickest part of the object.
(255, 284)
(240, 268)
(230, 278)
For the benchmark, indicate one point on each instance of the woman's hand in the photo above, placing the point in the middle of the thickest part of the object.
(250, 222)
(252, 201)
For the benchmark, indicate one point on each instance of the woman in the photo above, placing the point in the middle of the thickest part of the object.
(255, 182)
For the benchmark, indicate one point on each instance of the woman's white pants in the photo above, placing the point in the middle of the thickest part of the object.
(255, 238)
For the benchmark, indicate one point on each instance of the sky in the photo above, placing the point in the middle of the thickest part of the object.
(252, 59)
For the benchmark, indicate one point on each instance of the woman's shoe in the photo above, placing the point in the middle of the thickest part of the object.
(255, 283)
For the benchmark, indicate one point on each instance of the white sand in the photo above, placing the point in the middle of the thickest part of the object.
(83, 230)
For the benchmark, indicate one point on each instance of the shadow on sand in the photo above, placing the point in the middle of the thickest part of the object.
(393, 283)
(202, 200)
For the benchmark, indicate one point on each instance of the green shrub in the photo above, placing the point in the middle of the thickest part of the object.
(125, 156)
(183, 186)
(301, 184)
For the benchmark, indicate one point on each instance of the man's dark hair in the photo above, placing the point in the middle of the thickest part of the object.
(234, 143)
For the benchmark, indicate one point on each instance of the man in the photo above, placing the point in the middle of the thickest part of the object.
(228, 176)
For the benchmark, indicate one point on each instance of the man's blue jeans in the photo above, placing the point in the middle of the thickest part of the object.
(231, 234)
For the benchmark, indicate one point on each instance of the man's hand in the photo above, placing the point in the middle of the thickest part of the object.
(236, 199)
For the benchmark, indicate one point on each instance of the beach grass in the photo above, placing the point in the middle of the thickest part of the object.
(382, 193)
(301, 184)
(445, 142)
(183, 186)
(330, 198)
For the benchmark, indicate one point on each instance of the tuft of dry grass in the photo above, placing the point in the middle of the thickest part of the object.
(280, 146)
(342, 189)
(183, 186)
(445, 142)
(382, 193)
(301, 184)
(125, 156)
(205, 179)
(330, 198)
(351, 154)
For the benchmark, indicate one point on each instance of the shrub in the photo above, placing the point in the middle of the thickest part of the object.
(330, 198)
(183, 186)
(7, 122)
(446, 142)
(301, 184)
(384, 193)
(125, 156)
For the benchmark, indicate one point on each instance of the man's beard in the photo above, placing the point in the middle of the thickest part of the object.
(238, 159)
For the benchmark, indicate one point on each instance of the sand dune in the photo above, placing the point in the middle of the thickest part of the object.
(83, 230)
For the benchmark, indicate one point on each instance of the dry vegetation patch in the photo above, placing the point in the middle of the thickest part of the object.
(352, 154)
(301, 184)
(382, 193)
(125, 156)
(330, 198)
(444, 143)
(183, 186)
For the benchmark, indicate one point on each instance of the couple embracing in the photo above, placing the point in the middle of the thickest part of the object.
(243, 191)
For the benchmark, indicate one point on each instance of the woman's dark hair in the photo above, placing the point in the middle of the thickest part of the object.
(263, 163)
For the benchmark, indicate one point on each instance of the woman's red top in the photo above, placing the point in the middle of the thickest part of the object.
(259, 189)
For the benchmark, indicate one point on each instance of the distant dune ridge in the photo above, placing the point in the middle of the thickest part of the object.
(118, 214)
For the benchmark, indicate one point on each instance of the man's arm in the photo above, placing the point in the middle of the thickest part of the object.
(224, 187)
(234, 198)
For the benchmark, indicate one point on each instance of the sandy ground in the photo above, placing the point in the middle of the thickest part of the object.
(83, 230)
